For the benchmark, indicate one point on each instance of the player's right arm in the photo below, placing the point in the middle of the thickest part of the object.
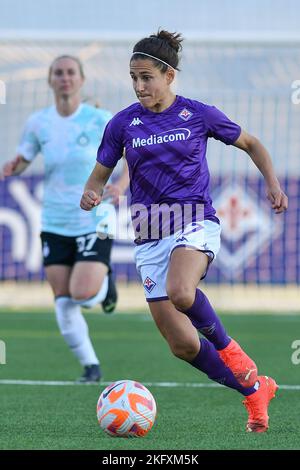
(28, 148)
(14, 167)
(93, 189)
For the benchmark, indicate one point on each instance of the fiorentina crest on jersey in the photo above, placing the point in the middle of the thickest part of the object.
(185, 114)
(149, 284)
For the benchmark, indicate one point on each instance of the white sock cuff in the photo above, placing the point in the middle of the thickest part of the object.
(62, 299)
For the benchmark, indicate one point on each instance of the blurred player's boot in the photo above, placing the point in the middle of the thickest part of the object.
(91, 374)
(110, 301)
(242, 367)
(257, 405)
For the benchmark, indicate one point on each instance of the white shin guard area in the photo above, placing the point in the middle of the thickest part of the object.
(74, 329)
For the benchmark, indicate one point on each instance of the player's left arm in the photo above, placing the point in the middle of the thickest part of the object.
(261, 158)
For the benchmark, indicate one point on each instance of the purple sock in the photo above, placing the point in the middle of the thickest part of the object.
(205, 319)
(209, 362)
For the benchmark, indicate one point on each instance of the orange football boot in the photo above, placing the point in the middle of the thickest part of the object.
(242, 367)
(257, 404)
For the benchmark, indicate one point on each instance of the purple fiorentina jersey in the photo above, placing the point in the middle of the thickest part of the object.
(166, 152)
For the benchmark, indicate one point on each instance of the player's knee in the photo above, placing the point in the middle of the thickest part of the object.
(82, 294)
(61, 292)
(181, 296)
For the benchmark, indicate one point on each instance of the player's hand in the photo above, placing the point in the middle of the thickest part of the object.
(113, 193)
(89, 200)
(277, 198)
(9, 168)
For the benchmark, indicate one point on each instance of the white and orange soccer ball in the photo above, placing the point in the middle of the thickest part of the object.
(126, 409)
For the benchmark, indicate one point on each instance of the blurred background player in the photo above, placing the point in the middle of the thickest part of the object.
(165, 137)
(77, 262)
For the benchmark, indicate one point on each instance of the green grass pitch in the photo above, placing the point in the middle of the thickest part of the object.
(130, 347)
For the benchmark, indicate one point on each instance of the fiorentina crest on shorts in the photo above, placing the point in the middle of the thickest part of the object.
(185, 114)
(149, 284)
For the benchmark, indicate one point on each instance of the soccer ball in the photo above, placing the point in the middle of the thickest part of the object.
(126, 409)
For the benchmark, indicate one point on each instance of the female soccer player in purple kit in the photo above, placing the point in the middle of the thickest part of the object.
(165, 137)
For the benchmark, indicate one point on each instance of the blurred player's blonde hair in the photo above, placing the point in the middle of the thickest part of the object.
(67, 56)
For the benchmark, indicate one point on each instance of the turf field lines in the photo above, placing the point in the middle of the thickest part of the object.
(147, 384)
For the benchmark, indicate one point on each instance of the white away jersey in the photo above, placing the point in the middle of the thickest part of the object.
(69, 146)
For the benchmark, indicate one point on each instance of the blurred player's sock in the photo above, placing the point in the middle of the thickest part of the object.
(75, 331)
(205, 320)
(98, 298)
(209, 362)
